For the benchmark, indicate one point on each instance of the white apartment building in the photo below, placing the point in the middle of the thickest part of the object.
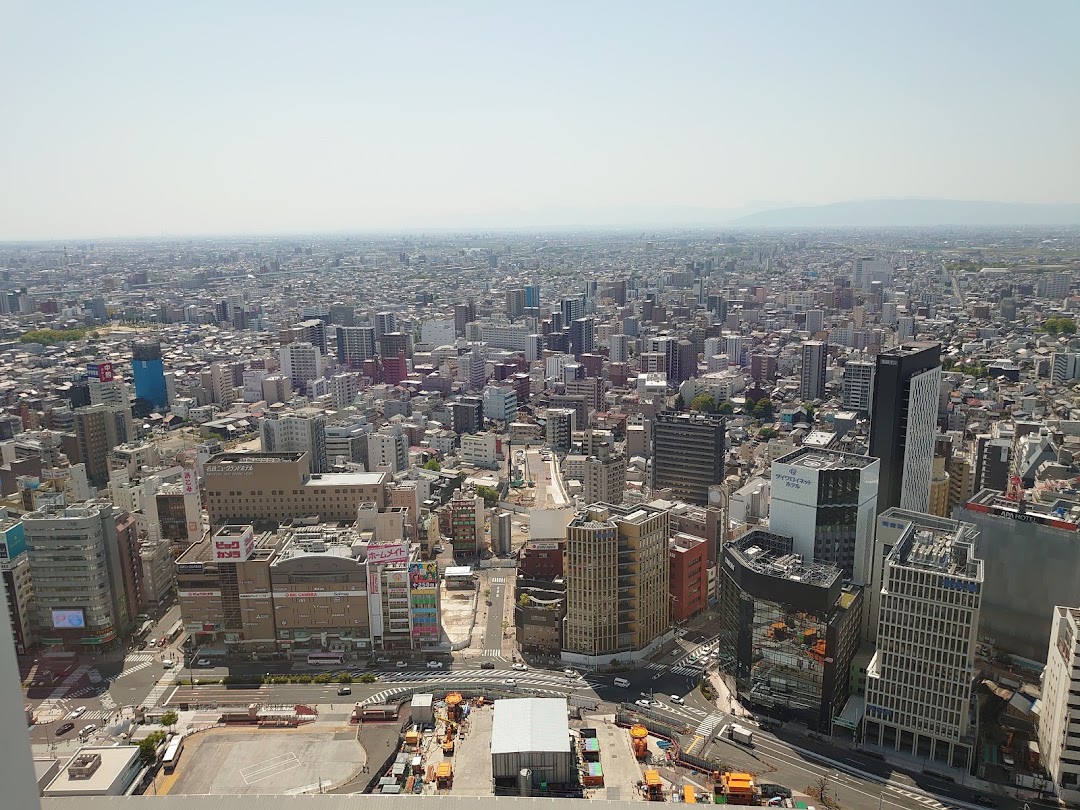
(478, 449)
(296, 433)
(858, 385)
(438, 332)
(388, 448)
(1064, 367)
(500, 403)
(1059, 719)
(301, 362)
(919, 680)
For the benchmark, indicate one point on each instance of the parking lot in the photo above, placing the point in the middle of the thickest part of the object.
(236, 762)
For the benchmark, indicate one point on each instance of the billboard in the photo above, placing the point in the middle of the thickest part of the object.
(68, 619)
(191, 482)
(387, 553)
(795, 484)
(13, 542)
(424, 576)
(230, 547)
(102, 372)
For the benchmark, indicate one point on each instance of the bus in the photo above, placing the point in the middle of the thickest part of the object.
(326, 659)
(172, 754)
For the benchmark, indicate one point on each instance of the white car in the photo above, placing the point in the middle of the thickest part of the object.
(569, 673)
(509, 682)
(643, 703)
(79, 712)
(519, 667)
(401, 665)
(94, 676)
(678, 701)
(88, 730)
(203, 662)
(434, 664)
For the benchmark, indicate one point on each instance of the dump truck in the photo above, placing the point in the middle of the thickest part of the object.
(741, 735)
(444, 776)
(639, 737)
(654, 787)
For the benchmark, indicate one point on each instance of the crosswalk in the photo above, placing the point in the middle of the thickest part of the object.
(926, 801)
(707, 726)
(492, 654)
(135, 662)
(497, 580)
(68, 682)
(379, 697)
(165, 682)
(689, 672)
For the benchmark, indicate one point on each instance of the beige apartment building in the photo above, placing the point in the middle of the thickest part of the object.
(275, 487)
(616, 583)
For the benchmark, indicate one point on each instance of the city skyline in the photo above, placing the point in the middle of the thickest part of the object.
(245, 119)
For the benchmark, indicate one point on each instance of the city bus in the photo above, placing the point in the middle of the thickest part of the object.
(172, 754)
(326, 659)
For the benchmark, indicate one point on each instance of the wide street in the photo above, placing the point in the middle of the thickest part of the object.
(786, 756)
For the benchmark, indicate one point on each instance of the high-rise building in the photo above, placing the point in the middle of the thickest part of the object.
(582, 336)
(385, 322)
(903, 423)
(515, 303)
(301, 362)
(388, 448)
(572, 308)
(605, 476)
(788, 629)
(467, 524)
(313, 331)
(1064, 367)
(1059, 724)
(559, 429)
(826, 501)
(18, 588)
(868, 270)
(688, 454)
(467, 415)
(858, 386)
(396, 344)
(815, 321)
(815, 355)
(300, 432)
(80, 597)
(919, 680)
(149, 373)
(532, 296)
(355, 344)
(98, 429)
(619, 348)
(684, 361)
(618, 604)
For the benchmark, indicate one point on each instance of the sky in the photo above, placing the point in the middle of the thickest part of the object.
(128, 119)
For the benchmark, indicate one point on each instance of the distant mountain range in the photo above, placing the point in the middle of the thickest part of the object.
(912, 212)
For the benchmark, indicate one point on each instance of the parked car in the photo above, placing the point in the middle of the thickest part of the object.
(152, 642)
(645, 704)
(64, 729)
(434, 664)
(678, 701)
(487, 665)
(344, 690)
(168, 663)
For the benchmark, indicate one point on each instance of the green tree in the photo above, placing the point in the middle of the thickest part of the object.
(767, 433)
(148, 747)
(679, 403)
(725, 408)
(489, 494)
(50, 337)
(703, 402)
(433, 465)
(169, 719)
(368, 677)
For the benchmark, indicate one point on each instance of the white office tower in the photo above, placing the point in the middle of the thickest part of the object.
(735, 349)
(619, 348)
(1059, 720)
(919, 680)
(868, 270)
(815, 355)
(500, 403)
(826, 501)
(858, 385)
(905, 328)
(301, 362)
(714, 345)
(388, 449)
(888, 313)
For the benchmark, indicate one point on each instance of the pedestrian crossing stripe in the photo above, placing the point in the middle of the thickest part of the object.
(491, 653)
(707, 726)
(924, 800)
(678, 670)
(497, 580)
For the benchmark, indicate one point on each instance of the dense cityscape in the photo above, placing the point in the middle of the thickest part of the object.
(753, 517)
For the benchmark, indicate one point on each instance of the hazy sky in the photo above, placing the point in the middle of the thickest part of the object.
(179, 118)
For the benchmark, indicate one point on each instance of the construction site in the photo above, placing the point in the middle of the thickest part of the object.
(470, 744)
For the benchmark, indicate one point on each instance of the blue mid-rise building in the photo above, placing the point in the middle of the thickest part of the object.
(149, 372)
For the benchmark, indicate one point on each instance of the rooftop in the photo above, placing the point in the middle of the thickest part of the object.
(770, 554)
(530, 724)
(819, 459)
(1052, 509)
(940, 552)
(109, 764)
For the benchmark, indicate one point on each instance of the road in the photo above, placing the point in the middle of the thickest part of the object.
(785, 757)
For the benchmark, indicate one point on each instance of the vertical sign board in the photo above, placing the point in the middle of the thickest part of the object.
(191, 482)
(375, 600)
(423, 598)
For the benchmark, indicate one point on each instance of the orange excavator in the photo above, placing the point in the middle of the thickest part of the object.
(639, 738)
(448, 740)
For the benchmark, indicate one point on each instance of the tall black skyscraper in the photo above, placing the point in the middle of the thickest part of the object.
(903, 423)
